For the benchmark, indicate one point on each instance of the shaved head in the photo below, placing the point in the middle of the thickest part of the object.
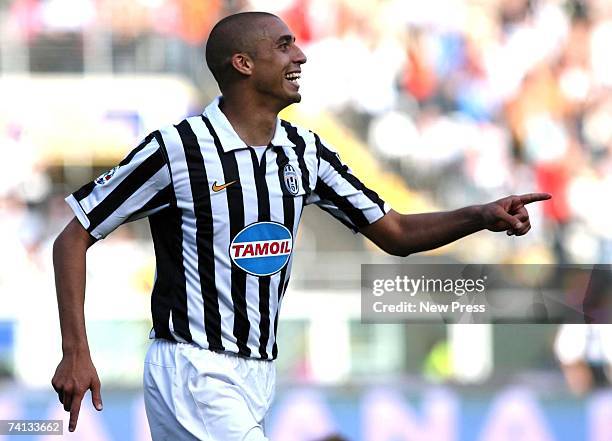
(236, 33)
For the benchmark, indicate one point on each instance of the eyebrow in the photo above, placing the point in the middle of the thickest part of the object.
(285, 39)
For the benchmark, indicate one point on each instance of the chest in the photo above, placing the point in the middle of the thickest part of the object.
(240, 187)
(278, 172)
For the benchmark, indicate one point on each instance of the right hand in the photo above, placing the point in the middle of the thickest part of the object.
(74, 375)
(509, 214)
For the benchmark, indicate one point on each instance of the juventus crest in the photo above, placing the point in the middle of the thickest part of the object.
(292, 183)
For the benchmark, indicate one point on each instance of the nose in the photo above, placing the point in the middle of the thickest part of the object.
(299, 56)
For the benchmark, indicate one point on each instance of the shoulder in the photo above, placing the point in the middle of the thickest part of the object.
(300, 135)
(312, 141)
(176, 134)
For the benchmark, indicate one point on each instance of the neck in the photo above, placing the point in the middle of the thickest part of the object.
(253, 122)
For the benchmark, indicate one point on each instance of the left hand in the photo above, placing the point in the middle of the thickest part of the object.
(509, 214)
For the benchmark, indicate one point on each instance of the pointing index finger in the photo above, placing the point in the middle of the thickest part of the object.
(74, 412)
(528, 198)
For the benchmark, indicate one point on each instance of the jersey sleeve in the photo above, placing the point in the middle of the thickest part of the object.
(138, 187)
(340, 193)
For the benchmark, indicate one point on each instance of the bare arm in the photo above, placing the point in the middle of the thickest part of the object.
(76, 373)
(402, 235)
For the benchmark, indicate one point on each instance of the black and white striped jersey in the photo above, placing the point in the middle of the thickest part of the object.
(223, 223)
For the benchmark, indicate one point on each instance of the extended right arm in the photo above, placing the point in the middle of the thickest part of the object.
(76, 373)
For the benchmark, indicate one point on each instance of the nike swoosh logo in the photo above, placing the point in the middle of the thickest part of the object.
(217, 188)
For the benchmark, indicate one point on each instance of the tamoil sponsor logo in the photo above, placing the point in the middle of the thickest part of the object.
(262, 248)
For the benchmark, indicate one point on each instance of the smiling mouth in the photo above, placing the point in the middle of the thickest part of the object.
(293, 78)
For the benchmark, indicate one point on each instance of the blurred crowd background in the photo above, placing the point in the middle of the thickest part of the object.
(436, 104)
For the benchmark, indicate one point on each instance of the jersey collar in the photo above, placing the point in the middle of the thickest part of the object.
(229, 138)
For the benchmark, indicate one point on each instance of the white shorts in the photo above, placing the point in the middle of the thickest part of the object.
(192, 393)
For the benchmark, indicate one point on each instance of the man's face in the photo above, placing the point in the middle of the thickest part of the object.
(277, 63)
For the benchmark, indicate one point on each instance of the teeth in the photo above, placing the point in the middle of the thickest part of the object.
(293, 76)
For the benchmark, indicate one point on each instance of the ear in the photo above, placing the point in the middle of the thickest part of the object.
(243, 63)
